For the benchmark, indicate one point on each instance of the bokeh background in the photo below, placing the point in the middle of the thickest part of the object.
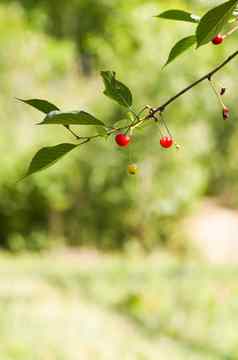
(96, 264)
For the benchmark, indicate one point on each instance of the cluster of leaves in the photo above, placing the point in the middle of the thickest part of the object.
(48, 156)
(208, 26)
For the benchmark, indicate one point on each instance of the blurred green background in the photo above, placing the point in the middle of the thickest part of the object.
(133, 306)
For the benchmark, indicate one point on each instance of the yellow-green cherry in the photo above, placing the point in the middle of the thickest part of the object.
(132, 169)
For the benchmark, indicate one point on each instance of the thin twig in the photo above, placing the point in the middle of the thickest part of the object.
(67, 127)
(231, 31)
(159, 109)
(216, 92)
(208, 76)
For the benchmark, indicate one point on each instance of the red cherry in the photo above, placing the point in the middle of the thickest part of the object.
(122, 139)
(166, 142)
(218, 39)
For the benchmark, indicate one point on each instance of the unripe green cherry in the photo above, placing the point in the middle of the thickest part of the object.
(132, 169)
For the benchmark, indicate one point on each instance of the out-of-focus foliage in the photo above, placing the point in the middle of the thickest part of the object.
(131, 308)
(83, 21)
(78, 20)
(89, 198)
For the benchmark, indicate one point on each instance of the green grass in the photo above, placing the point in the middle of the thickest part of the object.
(93, 307)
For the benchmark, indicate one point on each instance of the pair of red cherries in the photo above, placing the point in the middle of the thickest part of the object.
(124, 140)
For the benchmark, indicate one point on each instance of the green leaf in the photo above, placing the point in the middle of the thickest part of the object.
(71, 118)
(122, 122)
(41, 105)
(179, 15)
(180, 47)
(48, 156)
(131, 116)
(102, 131)
(115, 90)
(213, 21)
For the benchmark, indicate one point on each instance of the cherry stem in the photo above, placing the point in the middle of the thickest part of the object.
(218, 95)
(161, 134)
(165, 125)
(231, 31)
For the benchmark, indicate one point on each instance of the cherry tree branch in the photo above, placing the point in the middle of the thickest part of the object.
(208, 76)
(153, 111)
